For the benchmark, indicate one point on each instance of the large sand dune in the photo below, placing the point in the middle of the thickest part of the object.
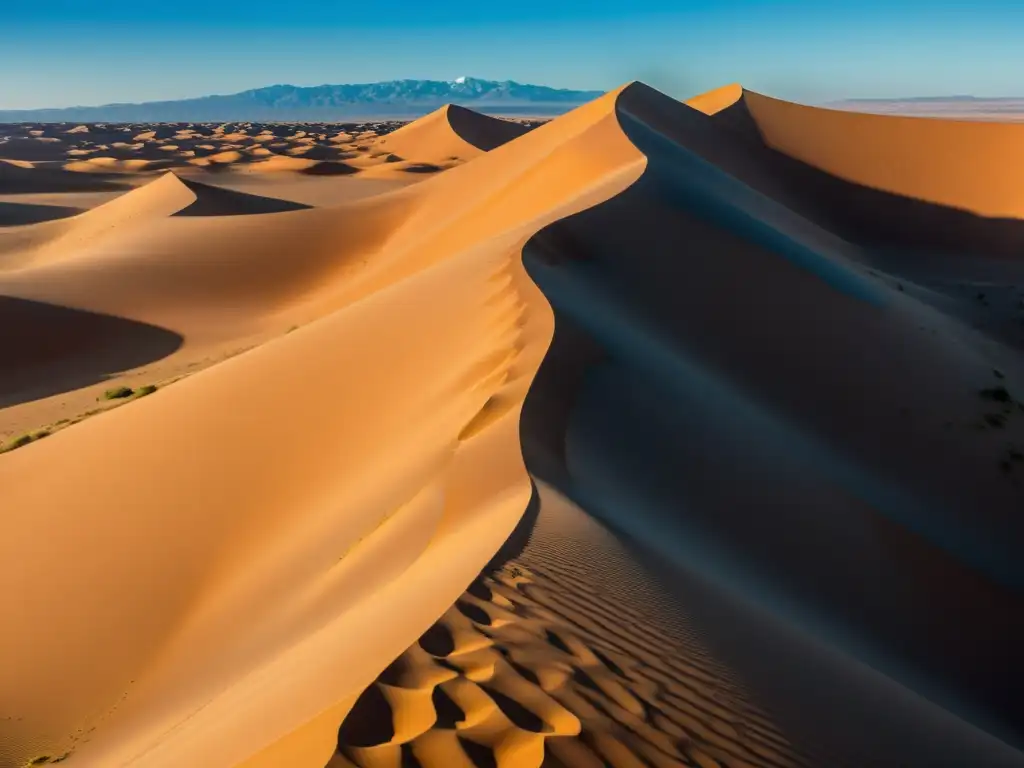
(778, 461)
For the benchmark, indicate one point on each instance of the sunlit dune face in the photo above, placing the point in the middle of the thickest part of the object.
(656, 434)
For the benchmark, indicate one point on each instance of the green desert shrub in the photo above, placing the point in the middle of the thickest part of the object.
(149, 389)
(117, 393)
(24, 440)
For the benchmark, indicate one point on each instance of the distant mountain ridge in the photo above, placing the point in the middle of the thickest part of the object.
(291, 103)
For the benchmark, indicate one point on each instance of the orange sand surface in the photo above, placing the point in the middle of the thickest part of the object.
(659, 434)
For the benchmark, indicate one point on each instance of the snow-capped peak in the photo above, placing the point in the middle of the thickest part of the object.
(459, 80)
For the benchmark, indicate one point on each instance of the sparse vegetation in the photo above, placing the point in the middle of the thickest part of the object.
(121, 394)
(47, 760)
(996, 394)
(996, 420)
(17, 442)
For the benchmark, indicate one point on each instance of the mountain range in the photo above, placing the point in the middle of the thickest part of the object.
(290, 103)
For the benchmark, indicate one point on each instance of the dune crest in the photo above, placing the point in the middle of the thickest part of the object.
(958, 163)
(808, 506)
(50, 241)
(714, 101)
(387, 491)
(449, 134)
(617, 442)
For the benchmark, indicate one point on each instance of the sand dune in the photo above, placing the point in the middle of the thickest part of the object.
(448, 135)
(959, 164)
(649, 337)
(19, 178)
(567, 655)
(462, 491)
(776, 506)
(713, 102)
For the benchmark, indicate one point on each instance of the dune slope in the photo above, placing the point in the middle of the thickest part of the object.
(775, 507)
(813, 517)
(675, 375)
(568, 655)
(184, 612)
(450, 134)
(920, 184)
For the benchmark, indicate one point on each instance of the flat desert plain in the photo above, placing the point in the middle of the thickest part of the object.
(657, 434)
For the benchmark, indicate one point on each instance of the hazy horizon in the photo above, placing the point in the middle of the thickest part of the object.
(907, 98)
(78, 52)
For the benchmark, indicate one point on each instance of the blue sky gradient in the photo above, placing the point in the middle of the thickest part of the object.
(82, 52)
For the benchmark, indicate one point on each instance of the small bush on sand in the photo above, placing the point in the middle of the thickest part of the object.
(24, 440)
(117, 393)
(46, 760)
(996, 420)
(17, 442)
(997, 394)
(149, 389)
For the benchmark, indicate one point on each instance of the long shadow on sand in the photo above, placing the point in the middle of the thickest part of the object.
(16, 214)
(966, 265)
(520, 536)
(730, 391)
(46, 349)
(19, 181)
(212, 200)
(863, 215)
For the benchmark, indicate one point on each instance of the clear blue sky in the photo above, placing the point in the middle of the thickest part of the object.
(82, 52)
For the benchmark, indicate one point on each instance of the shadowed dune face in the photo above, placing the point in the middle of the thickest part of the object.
(16, 214)
(216, 201)
(389, 468)
(48, 349)
(448, 135)
(483, 132)
(931, 185)
(17, 179)
(688, 401)
(569, 655)
(778, 489)
(958, 164)
(47, 158)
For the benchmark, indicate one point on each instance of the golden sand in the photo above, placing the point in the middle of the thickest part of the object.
(294, 551)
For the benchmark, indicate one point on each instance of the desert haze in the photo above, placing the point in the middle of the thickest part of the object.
(282, 103)
(655, 434)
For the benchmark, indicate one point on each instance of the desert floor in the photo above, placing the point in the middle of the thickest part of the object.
(655, 434)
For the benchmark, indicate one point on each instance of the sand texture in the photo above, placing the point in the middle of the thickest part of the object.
(658, 434)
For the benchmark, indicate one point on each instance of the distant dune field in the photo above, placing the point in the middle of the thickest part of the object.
(656, 434)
